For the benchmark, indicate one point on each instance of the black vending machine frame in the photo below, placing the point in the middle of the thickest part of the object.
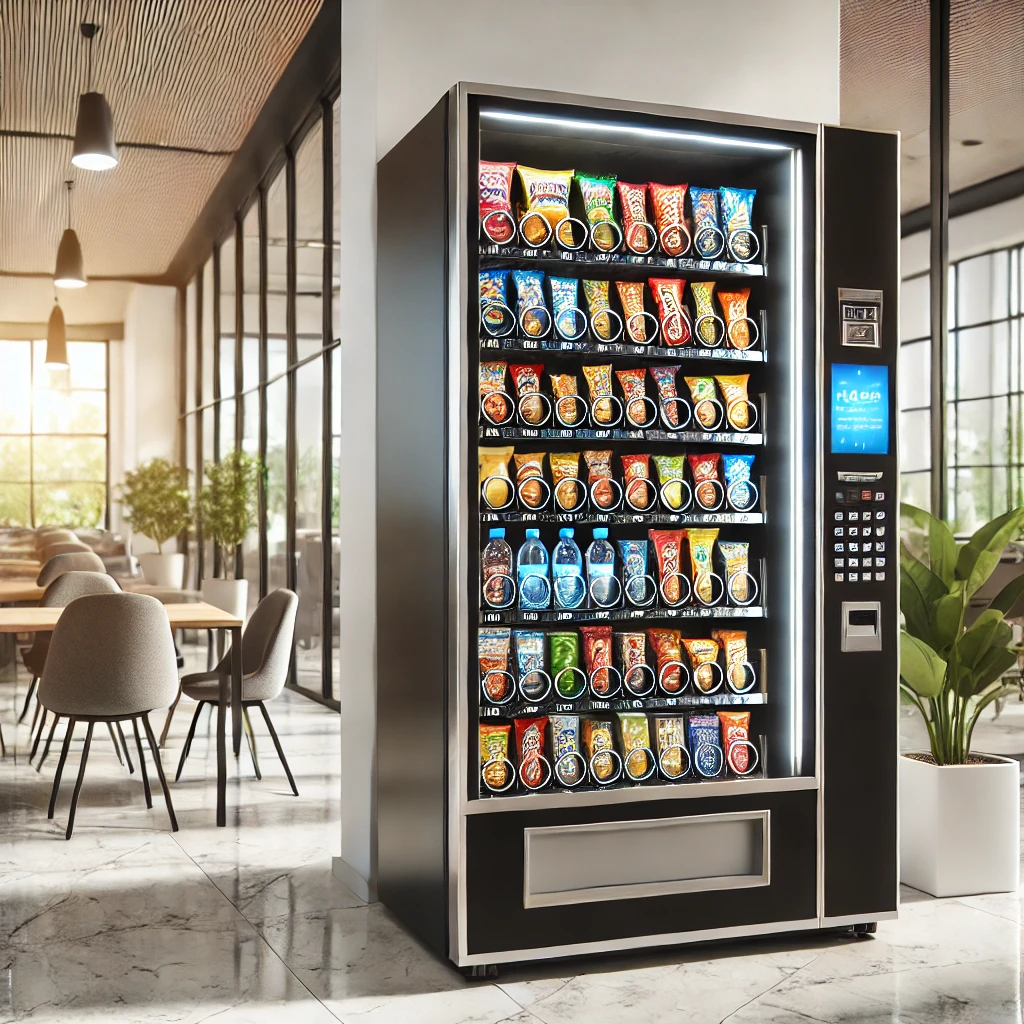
(457, 868)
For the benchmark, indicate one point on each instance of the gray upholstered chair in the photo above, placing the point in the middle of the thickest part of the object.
(51, 534)
(75, 561)
(111, 659)
(266, 654)
(62, 547)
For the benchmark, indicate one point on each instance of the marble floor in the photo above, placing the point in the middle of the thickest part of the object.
(129, 922)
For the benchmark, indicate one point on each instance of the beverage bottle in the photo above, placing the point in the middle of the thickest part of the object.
(499, 588)
(567, 569)
(604, 586)
(532, 570)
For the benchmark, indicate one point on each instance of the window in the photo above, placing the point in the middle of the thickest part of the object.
(915, 392)
(53, 436)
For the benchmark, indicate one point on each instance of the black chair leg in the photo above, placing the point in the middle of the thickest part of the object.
(142, 764)
(160, 771)
(35, 718)
(117, 746)
(188, 740)
(79, 780)
(277, 745)
(252, 742)
(28, 700)
(46, 748)
(39, 733)
(60, 766)
(3, 746)
(124, 744)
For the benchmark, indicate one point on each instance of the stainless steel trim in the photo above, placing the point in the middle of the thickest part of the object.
(842, 922)
(639, 794)
(819, 507)
(638, 941)
(642, 890)
(897, 302)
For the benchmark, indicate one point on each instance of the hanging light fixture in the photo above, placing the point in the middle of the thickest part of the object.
(95, 148)
(70, 270)
(56, 338)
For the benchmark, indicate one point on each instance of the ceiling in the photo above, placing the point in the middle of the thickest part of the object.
(185, 79)
(884, 84)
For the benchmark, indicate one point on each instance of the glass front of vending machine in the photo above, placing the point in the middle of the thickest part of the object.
(602, 536)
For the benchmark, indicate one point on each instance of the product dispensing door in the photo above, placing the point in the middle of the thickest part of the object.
(860, 529)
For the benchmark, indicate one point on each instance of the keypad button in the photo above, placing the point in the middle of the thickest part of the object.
(839, 548)
(865, 563)
(865, 495)
(854, 531)
(880, 545)
(879, 531)
(840, 497)
(853, 577)
(879, 561)
(880, 577)
(838, 531)
(853, 563)
(865, 516)
(866, 547)
(854, 547)
(854, 516)
(839, 517)
(879, 495)
(839, 563)
(839, 577)
(880, 514)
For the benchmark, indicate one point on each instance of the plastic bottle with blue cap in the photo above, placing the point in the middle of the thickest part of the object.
(567, 569)
(603, 584)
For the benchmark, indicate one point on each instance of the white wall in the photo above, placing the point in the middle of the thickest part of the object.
(776, 59)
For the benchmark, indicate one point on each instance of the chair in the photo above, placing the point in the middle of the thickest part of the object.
(74, 561)
(111, 659)
(53, 533)
(266, 654)
(62, 547)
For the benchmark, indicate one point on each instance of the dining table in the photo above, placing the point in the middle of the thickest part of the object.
(193, 615)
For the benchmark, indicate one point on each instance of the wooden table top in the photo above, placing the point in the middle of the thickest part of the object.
(195, 615)
(19, 590)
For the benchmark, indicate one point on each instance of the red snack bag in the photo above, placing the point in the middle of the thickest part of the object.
(673, 315)
(735, 733)
(635, 389)
(668, 546)
(705, 470)
(635, 470)
(526, 378)
(669, 219)
(496, 201)
(530, 743)
(637, 230)
(668, 648)
(597, 656)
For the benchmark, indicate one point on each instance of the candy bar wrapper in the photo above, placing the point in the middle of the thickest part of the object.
(565, 739)
(734, 643)
(703, 293)
(669, 218)
(635, 389)
(599, 204)
(737, 209)
(704, 468)
(597, 656)
(494, 747)
(529, 298)
(496, 198)
(565, 300)
(631, 295)
(702, 544)
(636, 741)
(565, 653)
(529, 470)
(737, 470)
(735, 733)
(667, 546)
(734, 312)
(737, 564)
(635, 227)
(530, 743)
(634, 470)
(703, 653)
(493, 645)
(547, 193)
(493, 288)
(634, 567)
(562, 386)
(704, 743)
(599, 380)
(599, 471)
(526, 378)
(671, 734)
(707, 238)
(566, 466)
(667, 644)
(530, 660)
(665, 379)
(597, 738)
(702, 391)
(596, 294)
(494, 398)
(494, 463)
(737, 405)
(671, 469)
(672, 314)
(632, 652)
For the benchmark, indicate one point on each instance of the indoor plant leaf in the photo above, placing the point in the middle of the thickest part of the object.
(942, 550)
(932, 588)
(1009, 595)
(946, 615)
(997, 661)
(981, 554)
(920, 667)
(915, 608)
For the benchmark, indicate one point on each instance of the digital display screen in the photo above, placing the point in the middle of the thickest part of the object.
(860, 409)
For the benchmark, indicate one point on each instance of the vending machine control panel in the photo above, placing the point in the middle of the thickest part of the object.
(862, 511)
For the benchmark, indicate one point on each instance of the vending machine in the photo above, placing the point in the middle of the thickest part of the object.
(636, 499)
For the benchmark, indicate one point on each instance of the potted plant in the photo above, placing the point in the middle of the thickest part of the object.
(959, 809)
(228, 507)
(156, 504)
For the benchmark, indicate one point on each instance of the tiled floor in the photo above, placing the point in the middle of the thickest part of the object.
(128, 922)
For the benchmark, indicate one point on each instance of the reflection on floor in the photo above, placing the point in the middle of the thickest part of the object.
(128, 922)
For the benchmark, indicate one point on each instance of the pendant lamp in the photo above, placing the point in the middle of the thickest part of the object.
(95, 148)
(70, 270)
(56, 338)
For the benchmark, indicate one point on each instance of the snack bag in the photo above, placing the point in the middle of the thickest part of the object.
(633, 654)
(704, 468)
(703, 394)
(707, 753)
(668, 202)
(547, 196)
(494, 400)
(601, 320)
(599, 475)
(599, 381)
(631, 295)
(566, 466)
(493, 644)
(633, 387)
(563, 385)
(531, 306)
(672, 314)
(703, 655)
(667, 644)
(665, 379)
(670, 474)
(737, 470)
(565, 740)
(597, 657)
(737, 210)
(565, 300)
(530, 741)
(637, 231)
(735, 736)
(599, 205)
(496, 201)
(702, 544)
(494, 463)
(671, 735)
(703, 293)
(530, 478)
(494, 747)
(734, 309)
(668, 546)
(636, 742)
(737, 405)
(597, 740)
(737, 579)
(734, 643)
(635, 473)
(565, 654)
(708, 239)
(493, 296)
(526, 378)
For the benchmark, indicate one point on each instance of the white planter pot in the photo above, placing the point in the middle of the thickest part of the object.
(228, 595)
(960, 826)
(163, 570)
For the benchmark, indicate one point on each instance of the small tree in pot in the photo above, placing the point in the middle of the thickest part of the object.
(960, 811)
(156, 503)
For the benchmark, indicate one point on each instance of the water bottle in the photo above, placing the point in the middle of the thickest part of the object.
(604, 586)
(497, 570)
(567, 569)
(532, 570)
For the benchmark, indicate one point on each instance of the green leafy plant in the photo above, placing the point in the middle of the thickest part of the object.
(949, 671)
(156, 501)
(229, 502)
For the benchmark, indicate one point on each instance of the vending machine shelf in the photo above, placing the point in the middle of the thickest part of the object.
(629, 519)
(582, 707)
(514, 617)
(586, 434)
(529, 347)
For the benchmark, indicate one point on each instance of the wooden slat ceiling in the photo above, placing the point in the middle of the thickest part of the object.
(185, 80)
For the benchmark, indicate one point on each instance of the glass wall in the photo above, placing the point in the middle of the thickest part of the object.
(273, 380)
